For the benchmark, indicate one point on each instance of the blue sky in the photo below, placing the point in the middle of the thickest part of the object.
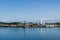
(20, 10)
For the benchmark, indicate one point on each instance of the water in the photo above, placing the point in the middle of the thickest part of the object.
(29, 33)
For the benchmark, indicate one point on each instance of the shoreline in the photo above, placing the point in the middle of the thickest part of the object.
(28, 25)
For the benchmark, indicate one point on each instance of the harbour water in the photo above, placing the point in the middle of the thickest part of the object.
(29, 33)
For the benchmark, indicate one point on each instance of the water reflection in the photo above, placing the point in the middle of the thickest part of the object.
(23, 30)
(30, 33)
(41, 30)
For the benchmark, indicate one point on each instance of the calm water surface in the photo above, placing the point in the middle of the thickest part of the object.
(29, 33)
